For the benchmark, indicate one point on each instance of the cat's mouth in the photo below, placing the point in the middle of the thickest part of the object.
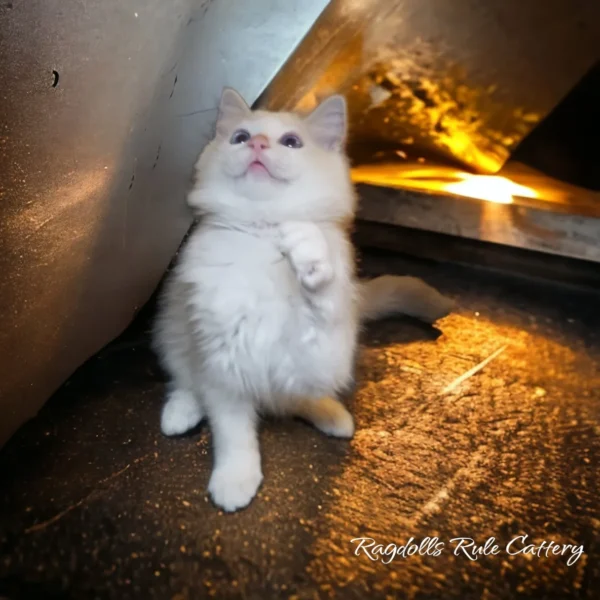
(259, 170)
(258, 167)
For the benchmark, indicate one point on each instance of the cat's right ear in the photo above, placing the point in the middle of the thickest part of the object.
(328, 122)
(232, 107)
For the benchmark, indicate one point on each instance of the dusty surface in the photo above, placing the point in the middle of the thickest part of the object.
(95, 503)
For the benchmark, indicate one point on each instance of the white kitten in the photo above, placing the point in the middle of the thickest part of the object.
(263, 310)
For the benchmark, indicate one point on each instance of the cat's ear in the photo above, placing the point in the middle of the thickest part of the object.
(231, 107)
(328, 123)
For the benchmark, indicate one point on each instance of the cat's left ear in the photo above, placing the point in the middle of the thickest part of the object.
(328, 123)
(232, 107)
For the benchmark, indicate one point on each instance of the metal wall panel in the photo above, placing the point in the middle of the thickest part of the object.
(104, 106)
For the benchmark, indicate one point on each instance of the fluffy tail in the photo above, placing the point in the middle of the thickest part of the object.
(388, 295)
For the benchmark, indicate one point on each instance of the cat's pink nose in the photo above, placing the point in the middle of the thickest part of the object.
(259, 142)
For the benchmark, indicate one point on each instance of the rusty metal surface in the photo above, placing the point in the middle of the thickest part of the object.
(104, 106)
(95, 503)
(465, 80)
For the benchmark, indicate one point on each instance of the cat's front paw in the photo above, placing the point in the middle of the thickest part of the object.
(306, 248)
(234, 483)
(181, 412)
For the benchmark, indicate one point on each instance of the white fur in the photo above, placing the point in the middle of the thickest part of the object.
(262, 311)
(181, 412)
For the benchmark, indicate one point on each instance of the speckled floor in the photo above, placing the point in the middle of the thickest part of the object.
(95, 503)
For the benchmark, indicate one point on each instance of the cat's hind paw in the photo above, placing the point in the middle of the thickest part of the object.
(328, 415)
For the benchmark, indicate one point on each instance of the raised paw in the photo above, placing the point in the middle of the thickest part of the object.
(306, 248)
(181, 412)
(234, 483)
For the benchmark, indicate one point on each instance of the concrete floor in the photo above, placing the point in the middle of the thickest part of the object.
(95, 503)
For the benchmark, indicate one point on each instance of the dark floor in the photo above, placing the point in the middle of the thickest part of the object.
(95, 503)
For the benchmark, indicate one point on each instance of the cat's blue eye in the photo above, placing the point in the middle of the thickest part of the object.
(241, 136)
(291, 140)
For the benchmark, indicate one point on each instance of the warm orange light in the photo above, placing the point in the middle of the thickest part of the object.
(489, 187)
(492, 188)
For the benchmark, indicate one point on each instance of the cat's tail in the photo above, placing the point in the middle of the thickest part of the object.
(389, 294)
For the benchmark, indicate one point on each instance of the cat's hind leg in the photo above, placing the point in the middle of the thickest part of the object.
(182, 411)
(327, 414)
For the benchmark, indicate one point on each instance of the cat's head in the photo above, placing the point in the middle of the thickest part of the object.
(275, 166)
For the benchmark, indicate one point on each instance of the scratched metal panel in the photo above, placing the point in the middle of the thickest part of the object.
(104, 106)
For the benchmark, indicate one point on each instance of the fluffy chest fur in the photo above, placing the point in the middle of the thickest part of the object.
(252, 320)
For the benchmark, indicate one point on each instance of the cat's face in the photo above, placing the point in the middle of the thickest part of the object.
(276, 166)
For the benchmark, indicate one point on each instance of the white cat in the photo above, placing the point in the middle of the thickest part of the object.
(263, 310)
